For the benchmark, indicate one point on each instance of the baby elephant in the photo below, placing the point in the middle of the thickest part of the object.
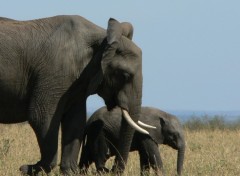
(102, 134)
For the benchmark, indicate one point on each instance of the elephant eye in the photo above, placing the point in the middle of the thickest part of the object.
(118, 52)
(126, 76)
(124, 53)
(172, 136)
(122, 76)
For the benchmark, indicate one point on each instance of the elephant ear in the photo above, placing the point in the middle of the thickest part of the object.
(94, 83)
(127, 30)
(158, 122)
(162, 122)
(114, 67)
(114, 33)
(116, 30)
(157, 134)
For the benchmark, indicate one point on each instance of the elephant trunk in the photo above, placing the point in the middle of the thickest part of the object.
(126, 135)
(180, 159)
(129, 99)
(122, 155)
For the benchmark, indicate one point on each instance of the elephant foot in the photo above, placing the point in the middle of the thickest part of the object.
(103, 170)
(33, 170)
(71, 171)
(83, 172)
(117, 170)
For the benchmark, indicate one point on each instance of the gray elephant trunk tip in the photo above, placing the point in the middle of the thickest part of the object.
(180, 158)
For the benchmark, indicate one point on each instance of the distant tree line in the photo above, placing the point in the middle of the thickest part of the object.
(211, 123)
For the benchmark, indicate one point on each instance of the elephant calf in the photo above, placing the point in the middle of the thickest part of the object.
(102, 136)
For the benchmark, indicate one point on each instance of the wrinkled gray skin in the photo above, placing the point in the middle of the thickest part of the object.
(48, 68)
(102, 133)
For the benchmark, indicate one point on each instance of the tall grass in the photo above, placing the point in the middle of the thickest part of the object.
(212, 149)
(211, 123)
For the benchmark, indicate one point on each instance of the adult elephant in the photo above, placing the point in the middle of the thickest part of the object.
(103, 132)
(48, 68)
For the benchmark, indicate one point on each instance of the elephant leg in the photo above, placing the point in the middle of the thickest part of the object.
(150, 156)
(86, 157)
(156, 161)
(72, 125)
(144, 163)
(100, 152)
(45, 122)
(124, 145)
(87, 154)
(155, 158)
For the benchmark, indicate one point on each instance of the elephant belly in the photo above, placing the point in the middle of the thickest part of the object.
(12, 110)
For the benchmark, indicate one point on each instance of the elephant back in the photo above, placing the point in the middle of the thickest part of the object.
(111, 119)
(151, 116)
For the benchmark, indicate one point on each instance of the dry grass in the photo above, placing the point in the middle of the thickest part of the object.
(208, 152)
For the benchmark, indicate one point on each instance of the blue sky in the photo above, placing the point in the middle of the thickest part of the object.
(191, 49)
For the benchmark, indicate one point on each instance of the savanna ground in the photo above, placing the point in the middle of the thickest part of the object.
(212, 149)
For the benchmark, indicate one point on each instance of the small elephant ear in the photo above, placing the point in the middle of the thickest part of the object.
(114, 32)
(127, 30)
(162, 122)
(157, 134)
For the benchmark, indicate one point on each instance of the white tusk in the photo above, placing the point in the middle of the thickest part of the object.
(132, 123)
(146, 125)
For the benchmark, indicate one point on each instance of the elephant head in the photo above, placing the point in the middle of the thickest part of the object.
(173, 136)
(122, 70)
(169, 131)
(121, 82)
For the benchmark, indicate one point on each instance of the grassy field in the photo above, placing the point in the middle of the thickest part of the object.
(209, 152)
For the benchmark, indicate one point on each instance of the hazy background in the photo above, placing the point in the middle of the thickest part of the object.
(191, 49)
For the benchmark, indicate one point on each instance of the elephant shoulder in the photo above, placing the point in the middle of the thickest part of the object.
(112, 117)
(151, 114)
(96, 116)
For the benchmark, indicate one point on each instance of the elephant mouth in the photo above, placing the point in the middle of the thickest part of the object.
(134, 125)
